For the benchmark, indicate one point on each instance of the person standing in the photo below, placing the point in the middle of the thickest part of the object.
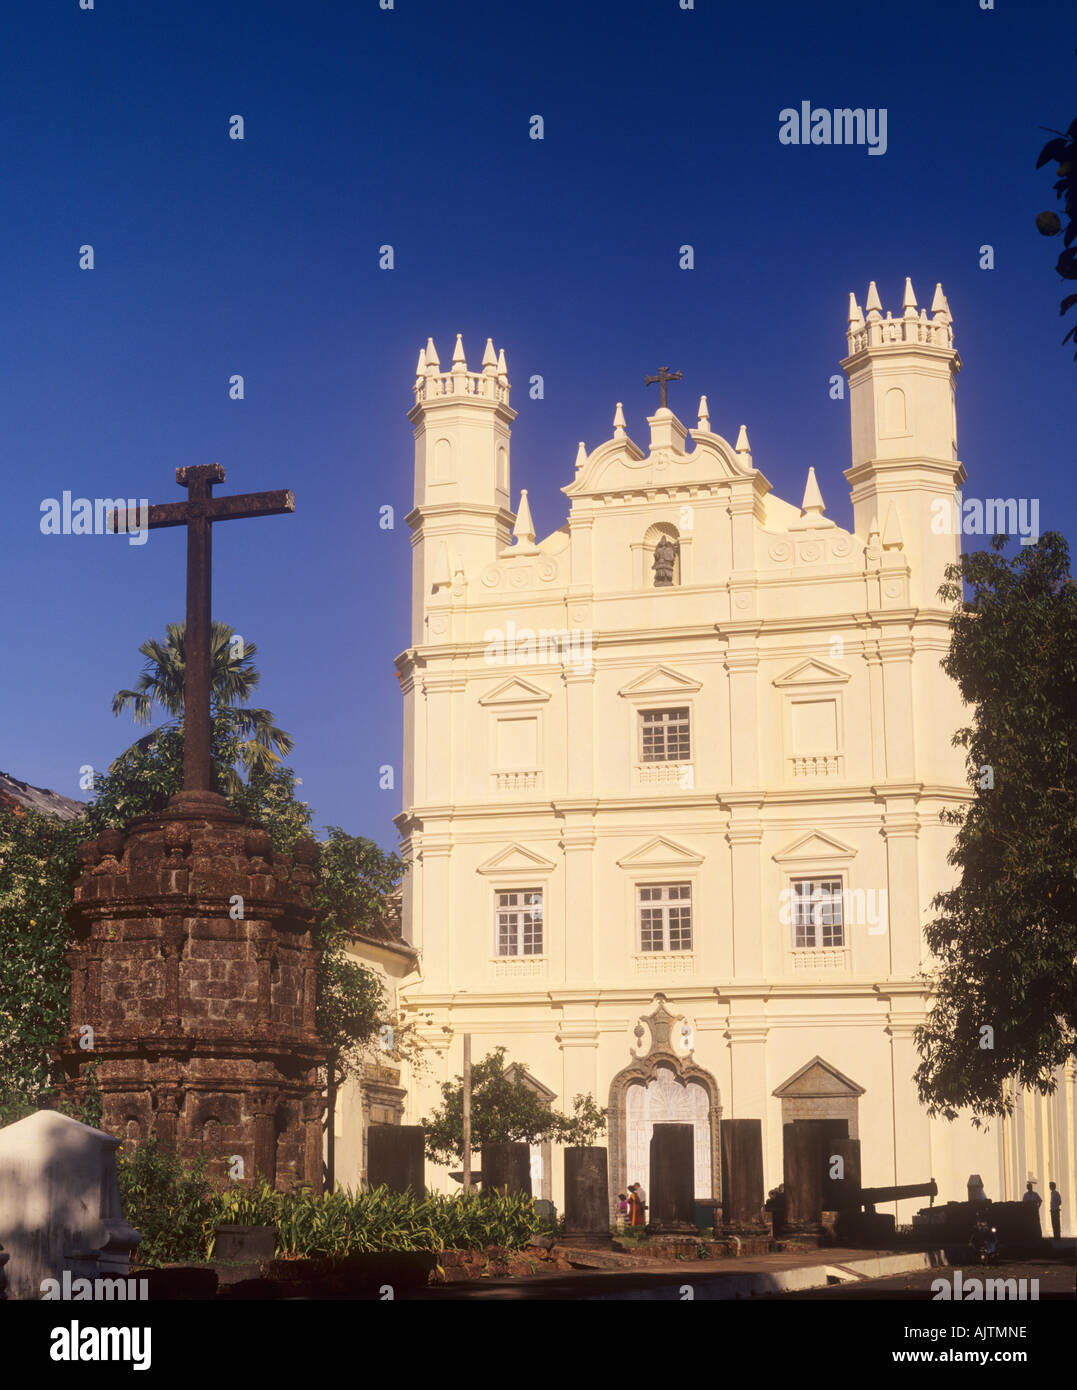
(641, 1205)
(622, 1208)
(1037, 1200)
(1056, 1212)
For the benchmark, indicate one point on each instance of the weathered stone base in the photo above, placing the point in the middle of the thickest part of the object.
(193, 990)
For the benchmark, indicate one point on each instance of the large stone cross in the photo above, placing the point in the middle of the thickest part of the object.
(198, 513)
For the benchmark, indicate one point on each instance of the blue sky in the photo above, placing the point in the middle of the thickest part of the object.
(410, 127)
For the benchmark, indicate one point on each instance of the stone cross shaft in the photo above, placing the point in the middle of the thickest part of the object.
(664, 377)
(198, 513)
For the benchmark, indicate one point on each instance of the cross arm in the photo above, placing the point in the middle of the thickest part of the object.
(215, 508)
(248, 504)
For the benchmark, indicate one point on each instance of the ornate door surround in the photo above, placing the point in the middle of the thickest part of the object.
(640, 1072)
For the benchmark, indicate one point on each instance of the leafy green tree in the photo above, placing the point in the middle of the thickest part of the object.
(37, 867)
(504, 1109)
(38, 864)
(1005, 940)
(233, 678)
(1062, 151)
(356, 880)
(142, 779)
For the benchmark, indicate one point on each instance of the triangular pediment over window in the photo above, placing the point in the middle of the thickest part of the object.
(516, 859)
(514, 692)
(660, 853)
(812, 673)
(817, 1079)
(815, 847)
(660, 680)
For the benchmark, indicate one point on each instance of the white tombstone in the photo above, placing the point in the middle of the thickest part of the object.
(60, 1203)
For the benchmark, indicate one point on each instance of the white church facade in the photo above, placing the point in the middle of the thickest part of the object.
(673, 774)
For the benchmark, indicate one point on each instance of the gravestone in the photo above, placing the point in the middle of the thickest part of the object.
(60, 1203)
(842, 1193)
(396, 1159)
(672, 1179)
(587, 1201)
(742, 1172)
(506, 1168)
(807, 1146)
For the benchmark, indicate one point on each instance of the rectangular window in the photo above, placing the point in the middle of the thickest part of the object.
(664, 736)
(519, 922)
(817, 915)
(665, 917)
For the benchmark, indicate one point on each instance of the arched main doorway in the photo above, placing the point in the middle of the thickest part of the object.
(666, 1099)
(662, 1086)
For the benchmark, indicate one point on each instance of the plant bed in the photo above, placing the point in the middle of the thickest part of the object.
(170, 1283)
(495, 1262)
(344, 1276)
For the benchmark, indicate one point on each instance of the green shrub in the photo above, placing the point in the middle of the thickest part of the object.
(168, 1202)
(175, 1208)
(347, 1223)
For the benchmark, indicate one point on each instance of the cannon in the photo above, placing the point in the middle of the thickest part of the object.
(862, 1223)
(870, 1197)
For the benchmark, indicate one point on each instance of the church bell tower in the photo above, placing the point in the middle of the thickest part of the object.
(461, 519)
(905, 469)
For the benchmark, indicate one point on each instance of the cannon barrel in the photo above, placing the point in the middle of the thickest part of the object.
(869, 1196)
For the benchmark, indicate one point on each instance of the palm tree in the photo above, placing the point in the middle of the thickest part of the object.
(233, 677)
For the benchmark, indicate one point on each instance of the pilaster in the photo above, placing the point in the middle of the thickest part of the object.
(901, 831)
(744, 836)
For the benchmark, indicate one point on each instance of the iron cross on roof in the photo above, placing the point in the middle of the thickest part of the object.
(198, 513)
(664, 377)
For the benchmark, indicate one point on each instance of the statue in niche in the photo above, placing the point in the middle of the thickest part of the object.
(665, 557)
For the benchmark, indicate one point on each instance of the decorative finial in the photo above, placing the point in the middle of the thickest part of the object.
(524, 530)
(619, 431)
(420, 366)
(873, 303)
(502, 370)
(908, 303)
(813, 498)
(856, 316)
(939, 307)
(432, 363)
(704, 415)
(459, 361)
(743, 447)
(489, 358)
(581, 456)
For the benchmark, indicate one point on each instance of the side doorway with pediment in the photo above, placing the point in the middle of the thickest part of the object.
(662, 1086)
(818, 1091)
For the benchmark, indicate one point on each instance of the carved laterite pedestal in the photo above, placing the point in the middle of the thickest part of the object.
(194, 967)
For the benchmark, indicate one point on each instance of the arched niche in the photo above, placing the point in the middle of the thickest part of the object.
(643, 555)
(895, 421)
